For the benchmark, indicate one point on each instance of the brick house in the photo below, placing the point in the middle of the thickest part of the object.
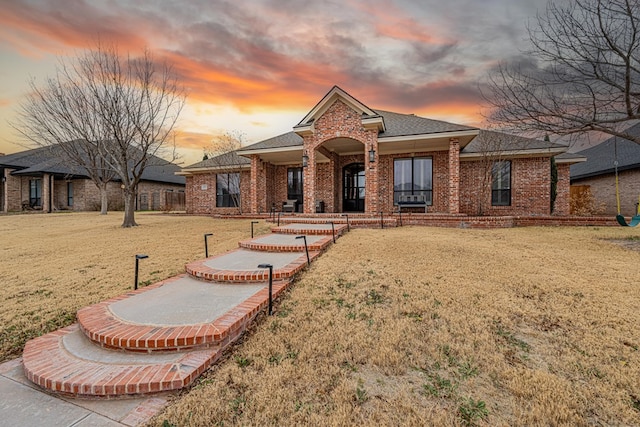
(597, 173)
(346, 157)
(41, 179)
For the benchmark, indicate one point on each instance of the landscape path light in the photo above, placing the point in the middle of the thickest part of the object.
(381, 220)
(348, 226)
(252, 223)
(138, 258)
(333, 230)
(206, 246)
(306, 248)
(270, 267)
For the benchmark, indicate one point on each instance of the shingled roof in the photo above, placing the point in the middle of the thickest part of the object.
(398, 124)
(53, 160)
(225, 159)
(601, 157)
(506, 142)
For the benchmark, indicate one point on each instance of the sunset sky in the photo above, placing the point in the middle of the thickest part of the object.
(259, 66)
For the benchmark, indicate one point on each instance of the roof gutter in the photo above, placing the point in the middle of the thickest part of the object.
(513, 153)
(269, 150)
(426, 137)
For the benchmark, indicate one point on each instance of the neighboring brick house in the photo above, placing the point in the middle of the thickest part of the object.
(346, 157)
(41, 179)
(598, 173)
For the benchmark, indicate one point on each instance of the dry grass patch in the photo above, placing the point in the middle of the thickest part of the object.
(426, 326)
(52, 265)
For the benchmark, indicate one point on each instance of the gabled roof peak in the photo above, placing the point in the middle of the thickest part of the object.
(335, 93)
(372, 118)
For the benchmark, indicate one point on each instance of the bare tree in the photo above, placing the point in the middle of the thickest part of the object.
(222, 156)
(584, 75)
(490, 148)
(124, 108)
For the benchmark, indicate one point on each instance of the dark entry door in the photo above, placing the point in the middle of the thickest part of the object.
(354, 188)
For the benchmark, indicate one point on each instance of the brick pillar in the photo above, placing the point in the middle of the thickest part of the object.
(46, 193)
(258, 185)
(371, 197)
(563, 195)
(309, 180)
(454, 176)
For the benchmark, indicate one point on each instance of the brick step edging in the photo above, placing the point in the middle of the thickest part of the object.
(48, 365)
(101, 326)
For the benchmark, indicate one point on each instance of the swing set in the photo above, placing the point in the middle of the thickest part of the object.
(635, 220)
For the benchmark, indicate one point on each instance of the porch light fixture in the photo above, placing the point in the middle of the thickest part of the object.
(372, 155)
(305, 160)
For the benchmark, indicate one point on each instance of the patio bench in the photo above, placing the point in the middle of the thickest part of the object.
(412, 201)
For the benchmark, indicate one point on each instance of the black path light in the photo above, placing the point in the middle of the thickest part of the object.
(348, 226)
(206, 246)
(306, 248)
(270, 267)
(400, 213)
(252, 223)
(138, 258)
(381, 220)
(279, 218)
(333, 230)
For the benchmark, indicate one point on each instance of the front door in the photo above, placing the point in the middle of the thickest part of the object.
(354, 188)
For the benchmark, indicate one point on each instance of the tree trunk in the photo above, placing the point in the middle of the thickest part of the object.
(129, 208)
(104, 199)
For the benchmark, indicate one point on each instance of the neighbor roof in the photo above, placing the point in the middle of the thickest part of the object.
(601, 157)
(52, 160)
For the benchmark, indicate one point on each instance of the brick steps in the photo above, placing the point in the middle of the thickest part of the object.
(53, 362)
(286, 243)
(232, 268)
(163, 336)
(310, 229)
(354, 221)
(112, 326)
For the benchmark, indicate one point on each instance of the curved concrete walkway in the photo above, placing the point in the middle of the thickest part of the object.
(119, 346)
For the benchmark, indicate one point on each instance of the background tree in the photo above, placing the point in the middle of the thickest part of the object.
(124, 108)
(221, 155)
(585, 74)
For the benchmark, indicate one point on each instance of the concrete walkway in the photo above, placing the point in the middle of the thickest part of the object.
(25, 405)
(151, 341)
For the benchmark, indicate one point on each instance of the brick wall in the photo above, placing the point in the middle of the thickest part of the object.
(339, 121)
(530, 188)
(14, 192)
(200, 192)
(603, 190)
(562, 204)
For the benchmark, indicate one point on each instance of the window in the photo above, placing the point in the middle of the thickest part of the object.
(70, 194)
(35, 192)
(413, 176)
(294, 185)
(228, 190)
(501, 183)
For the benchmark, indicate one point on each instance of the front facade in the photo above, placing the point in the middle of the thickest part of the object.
(345, 157)
(41, 180)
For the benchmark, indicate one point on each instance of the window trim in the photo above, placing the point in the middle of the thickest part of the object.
(498, 197)
(37, 199)
(70, 194)
(413, 190)
(227, 200)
